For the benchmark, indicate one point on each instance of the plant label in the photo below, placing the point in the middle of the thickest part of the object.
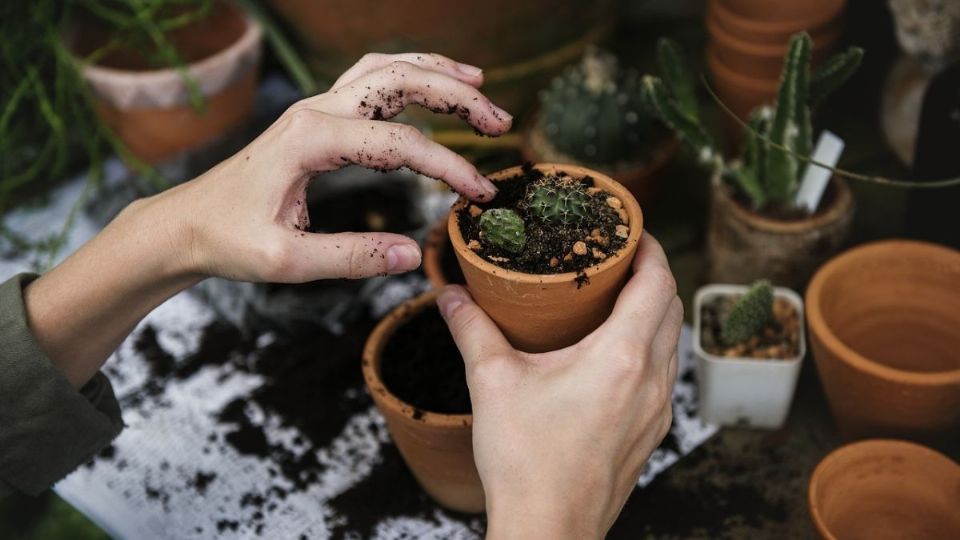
(815, 177)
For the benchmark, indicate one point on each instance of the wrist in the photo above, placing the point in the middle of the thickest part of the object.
(532, 518)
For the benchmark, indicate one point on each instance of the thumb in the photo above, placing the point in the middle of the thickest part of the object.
(474, 332)
(353, 255)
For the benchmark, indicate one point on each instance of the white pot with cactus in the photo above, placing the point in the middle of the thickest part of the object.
(749, 343)
(759, 227)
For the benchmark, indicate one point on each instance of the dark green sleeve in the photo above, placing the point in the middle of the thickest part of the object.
(47, 428)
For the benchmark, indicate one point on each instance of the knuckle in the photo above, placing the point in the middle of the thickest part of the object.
(408, 135)
(369, 58)
(299, 117)
(489, 371)
(666, 280)
(399, 67)
(277, 261)
(357, 261)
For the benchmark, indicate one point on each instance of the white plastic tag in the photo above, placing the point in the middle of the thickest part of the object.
(815, 178)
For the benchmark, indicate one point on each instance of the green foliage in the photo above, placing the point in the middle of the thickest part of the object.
(557, 201)
(503, 228)
(749, 315)
(778, 137)
(595, 113)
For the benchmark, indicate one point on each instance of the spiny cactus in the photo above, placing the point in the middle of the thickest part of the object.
(749, 315)
(595, 112)
(558, 202)
(503, 228)
(767, 175)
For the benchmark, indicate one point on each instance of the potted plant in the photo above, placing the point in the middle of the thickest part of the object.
(593, 115)
(548, 255)
(749, 343)
(417, 379)
(756, 229)
(171, 77)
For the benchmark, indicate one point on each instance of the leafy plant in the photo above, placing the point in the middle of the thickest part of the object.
(777, 137)
(504, 229)
(749, 314)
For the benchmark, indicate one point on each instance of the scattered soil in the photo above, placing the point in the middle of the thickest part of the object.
(779, 339)
(422, 366)
(548, 243)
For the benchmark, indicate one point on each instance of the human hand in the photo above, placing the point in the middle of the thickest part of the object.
(246, 219)
(560, 438)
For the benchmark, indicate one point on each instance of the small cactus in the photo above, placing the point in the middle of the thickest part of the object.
(503, 228)
(594, 112)
(559, 202)
(749, 315)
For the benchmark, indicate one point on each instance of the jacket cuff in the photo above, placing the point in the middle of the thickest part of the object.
(47, 428)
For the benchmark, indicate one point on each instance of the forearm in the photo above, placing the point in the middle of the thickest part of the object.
(532, 519)
(83, 309)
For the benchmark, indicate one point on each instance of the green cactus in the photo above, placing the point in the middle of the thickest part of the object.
(557, 201)
(767, 175)
(503, 228)
(749, 315)
(595, 112)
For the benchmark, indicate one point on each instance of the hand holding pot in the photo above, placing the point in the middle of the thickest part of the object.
(560, 438)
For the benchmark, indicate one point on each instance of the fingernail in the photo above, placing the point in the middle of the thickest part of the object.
(402, 258)
(469, 70)
(487, 185)
(449, 300)
(501, 114)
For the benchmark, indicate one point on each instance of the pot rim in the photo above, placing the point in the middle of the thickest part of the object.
(717, 67)
(602, 181)
(766, 51)
(373, 348)
(842, 202)
(864, 447)
(724, 289)
(846, 354)
(790, 26)
(433, 250)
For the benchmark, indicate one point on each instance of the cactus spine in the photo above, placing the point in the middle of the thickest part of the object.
(557, 201)
(503, 228)
(768, 175)
(749, 315)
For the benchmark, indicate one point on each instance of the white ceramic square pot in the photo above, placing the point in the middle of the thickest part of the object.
(745, 392)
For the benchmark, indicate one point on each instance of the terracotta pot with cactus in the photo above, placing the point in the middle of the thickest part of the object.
(593, 115)
(548, 256)
(757, 227)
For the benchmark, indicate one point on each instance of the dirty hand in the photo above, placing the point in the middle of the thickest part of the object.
(246, 218)
(560, 438)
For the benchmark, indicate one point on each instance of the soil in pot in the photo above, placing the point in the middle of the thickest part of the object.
(780, 338)
(422, 366)
(550, 247)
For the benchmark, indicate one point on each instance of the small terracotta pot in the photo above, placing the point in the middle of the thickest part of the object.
(547, 312)
(642, 179)
(884, 320)
(768, 32)
(744, 246)
(885, 489)
(150, 109)
(779, 11)
(438, 448)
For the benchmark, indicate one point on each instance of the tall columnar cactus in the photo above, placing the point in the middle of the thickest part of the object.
(503, 228)
(749, 315)
(595, 112)
(769, 171)
(563, 203)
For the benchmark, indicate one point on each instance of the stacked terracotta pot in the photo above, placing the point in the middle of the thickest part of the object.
(748, 41)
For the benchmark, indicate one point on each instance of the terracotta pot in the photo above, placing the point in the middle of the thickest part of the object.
(738, 92)
(436, 249)
(884, 320)
(640, 178)
(522, 47)
(767, 32)
(438, 448)
(546, 312)
(885, 489)
(744, 246)
(778, 11)
(150, 109)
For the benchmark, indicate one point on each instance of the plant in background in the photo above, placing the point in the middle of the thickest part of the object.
(749, 315)
(563, 203)
(503, 228)
(779, 136)
(595, 113)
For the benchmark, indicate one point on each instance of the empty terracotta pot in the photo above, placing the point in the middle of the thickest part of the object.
(772, 32)
(547, 312)
(884, 322)
(741, 94)
(885, 490)
(744, 246)
(779, 11)
(150, 109)
(438, 448)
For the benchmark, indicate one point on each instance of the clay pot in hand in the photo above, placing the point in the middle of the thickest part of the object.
(884, 320)
(438, 448)
(150, 110)
(546, 312)
(439, 262)
(885, 489)
(744, 246)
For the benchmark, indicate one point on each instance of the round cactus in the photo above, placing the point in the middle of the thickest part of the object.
(595, 112)
(562, 203)
(749, 315)
(503, 228)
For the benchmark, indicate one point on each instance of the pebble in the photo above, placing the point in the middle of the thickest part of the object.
(614, 203)
(580, 248)
(554, 262)
(568, 257)
(593, 191)
(623, 231)
(473, 245)
(597, 254)
(624, 217)
(474, 210)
